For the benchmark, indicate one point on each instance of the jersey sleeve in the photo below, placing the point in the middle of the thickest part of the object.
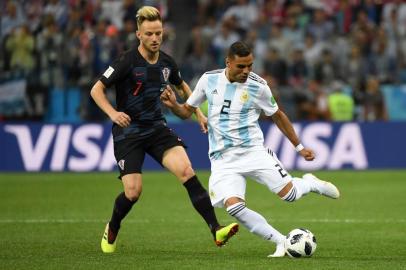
(116, 71)
(198, 95)
(174, 77)
(267, 102)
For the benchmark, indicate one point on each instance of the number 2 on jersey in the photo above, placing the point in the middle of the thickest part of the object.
(226, 106)
(282, 172)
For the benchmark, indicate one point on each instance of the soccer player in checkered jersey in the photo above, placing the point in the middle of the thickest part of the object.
(236, 97)
(139, 126)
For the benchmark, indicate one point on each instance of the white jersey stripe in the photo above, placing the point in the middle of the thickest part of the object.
(212, 82)
(244, 115)
(224, 123)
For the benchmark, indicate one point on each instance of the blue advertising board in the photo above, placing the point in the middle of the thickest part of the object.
(89, 147)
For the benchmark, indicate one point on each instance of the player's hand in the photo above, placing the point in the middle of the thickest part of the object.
(121, 119)
(168, 97)
(307, 154)
(202, 119)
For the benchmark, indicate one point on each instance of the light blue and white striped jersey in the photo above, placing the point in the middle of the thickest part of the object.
(234, 109)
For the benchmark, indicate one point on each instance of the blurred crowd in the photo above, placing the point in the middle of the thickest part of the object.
(64, 44)
(323, 59)
(326, 59)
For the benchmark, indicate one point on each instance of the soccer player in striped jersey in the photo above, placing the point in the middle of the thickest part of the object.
(236, 97)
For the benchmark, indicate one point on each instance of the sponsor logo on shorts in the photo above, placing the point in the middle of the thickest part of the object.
(211, 194)
(121, 164)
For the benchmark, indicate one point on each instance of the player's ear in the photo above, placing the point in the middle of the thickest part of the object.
(227, 62)
(138, 34)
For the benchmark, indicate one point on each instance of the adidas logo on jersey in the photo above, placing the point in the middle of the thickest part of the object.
(214, 92)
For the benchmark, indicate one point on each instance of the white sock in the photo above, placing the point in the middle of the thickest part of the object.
(255, 223)
(299, 189)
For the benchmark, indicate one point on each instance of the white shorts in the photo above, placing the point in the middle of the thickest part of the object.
(230, 170)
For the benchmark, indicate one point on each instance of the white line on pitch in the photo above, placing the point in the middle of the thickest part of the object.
(33, 221)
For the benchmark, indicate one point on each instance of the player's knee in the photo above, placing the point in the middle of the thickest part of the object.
(291, 195)
(188, 172)
(232, 201)
(133, 193)
(234, 206)
(288, 192)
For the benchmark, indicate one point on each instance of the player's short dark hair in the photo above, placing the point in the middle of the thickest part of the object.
(240, 49)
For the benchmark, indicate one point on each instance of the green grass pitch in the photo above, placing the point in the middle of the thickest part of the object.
(56, 220)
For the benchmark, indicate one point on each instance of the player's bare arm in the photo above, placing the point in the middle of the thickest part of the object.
(285, 126)
(184, 92)
(99, 96)
(183, 111)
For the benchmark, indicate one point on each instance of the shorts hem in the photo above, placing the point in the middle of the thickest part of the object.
(125, 173)
(220, 203)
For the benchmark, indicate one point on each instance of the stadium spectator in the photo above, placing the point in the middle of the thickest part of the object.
(362, 32)
(321, 28)
(276, 66)
(326, 69)
(50, 45)
(197, 61)
(12, 18)
(297, 68)
(382, 59)
(374, 106)
(292, 32)
(244, 13)
(224, 38)
(340, 104)
(312, 53)
(58, 10)
(311, 102)
(343, 16)
(20, 46)
(279, 42)
(355, 68)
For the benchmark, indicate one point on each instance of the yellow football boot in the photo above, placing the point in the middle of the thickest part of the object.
(105, 245)
(225, 233)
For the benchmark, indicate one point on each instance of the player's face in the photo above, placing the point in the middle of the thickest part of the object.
(239, 67)
(150, 35)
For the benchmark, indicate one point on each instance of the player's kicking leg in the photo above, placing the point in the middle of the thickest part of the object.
(322, 187)
(299, 187)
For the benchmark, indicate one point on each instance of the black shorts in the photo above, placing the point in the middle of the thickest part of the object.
(130, 152)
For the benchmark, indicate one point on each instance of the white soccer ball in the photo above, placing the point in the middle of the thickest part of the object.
(300, 243)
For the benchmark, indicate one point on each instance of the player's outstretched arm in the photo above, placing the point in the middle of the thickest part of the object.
(168, 98)
(286, 127)
(184, 92)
